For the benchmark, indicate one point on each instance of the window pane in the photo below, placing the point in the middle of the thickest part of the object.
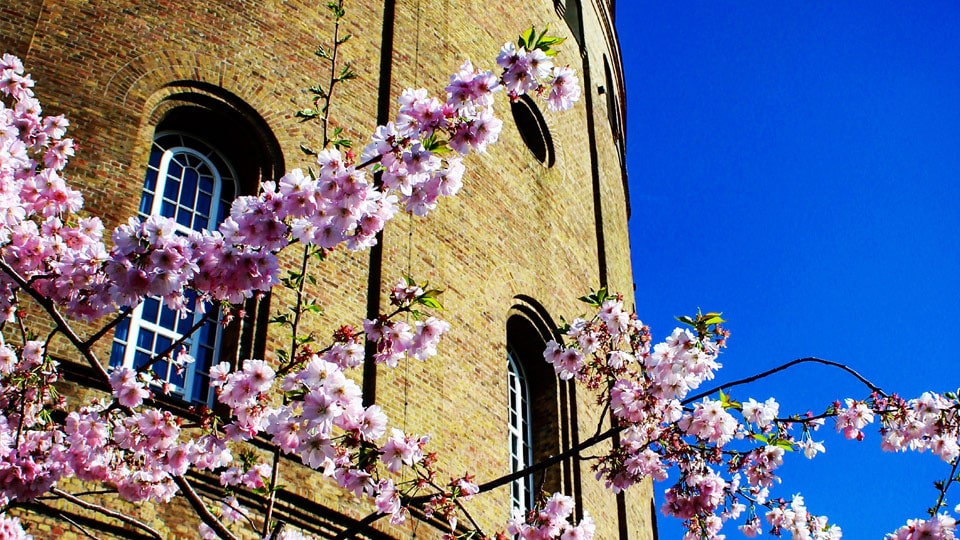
(145, 340)
(117, 351)
(189, 191)
(146, 203)
(163, 343)
(203, 203)
(155, 156)
(150, 182)
(150, 308)
(183, 217)
(168, 317)
(206, 184)
(176, 378)
(120, 332)
(140, 359)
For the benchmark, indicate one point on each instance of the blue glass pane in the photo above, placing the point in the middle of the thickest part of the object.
(176, 378)
(203, 204)
(150, 307)
(200, 223)
(120, 332)
(146, 204)
(116, 353)
(206, 184)
(161, 368)
(163, 343)
(187, 194)
(145, 339)
(172, 189)
(183, 217)
(155, 156)
(168, 318)
(174, 170)
(140, 359)
(167, 209)
(150, 182)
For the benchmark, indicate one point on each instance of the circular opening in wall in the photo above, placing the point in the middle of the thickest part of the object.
(533, 129)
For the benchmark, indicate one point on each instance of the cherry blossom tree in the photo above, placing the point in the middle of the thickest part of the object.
(54, 260)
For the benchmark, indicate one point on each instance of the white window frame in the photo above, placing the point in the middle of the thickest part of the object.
(520, 437)
(199, 150)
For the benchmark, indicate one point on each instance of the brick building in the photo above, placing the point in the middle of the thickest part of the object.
(542, 218)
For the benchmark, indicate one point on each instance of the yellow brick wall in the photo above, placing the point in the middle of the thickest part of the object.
(517, 228)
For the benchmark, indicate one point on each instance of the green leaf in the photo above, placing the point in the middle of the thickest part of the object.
(429, 299)
(430, 143)
(307, 114)
(346, 73)
(308, 151)
(526, 38)
(714, 320)
(546, 42)
(785, 444)
(761, 437)
(429, 302)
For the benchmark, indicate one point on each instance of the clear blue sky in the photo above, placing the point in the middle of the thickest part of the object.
(796, 165)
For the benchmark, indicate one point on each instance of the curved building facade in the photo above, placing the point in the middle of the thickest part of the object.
(203, 94)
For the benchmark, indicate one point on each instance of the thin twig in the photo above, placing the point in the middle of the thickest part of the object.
(271, 500)
(201, 509)
(105, 511)
(79, 527)
(180, 341)
(941, 500)
(783, 367)
(124, 313)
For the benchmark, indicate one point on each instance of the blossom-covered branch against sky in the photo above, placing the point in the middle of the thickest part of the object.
(797, 163)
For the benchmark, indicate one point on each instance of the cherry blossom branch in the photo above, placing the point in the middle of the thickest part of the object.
(79, 527)
(495, 483)
(106, 511)
(124, 313)
(943, 486)
(201, 509)
(338, 14)
(179, 342)
(51, 309)
(783, 367)
(272, 497)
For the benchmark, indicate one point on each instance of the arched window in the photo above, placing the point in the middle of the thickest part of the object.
(191, 182)
(540, 410)
(521, 443)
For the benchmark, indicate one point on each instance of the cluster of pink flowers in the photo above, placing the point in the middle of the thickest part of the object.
(552, 521)
(941, 527)
(727, 452)
(533, 71)
(795, 519)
